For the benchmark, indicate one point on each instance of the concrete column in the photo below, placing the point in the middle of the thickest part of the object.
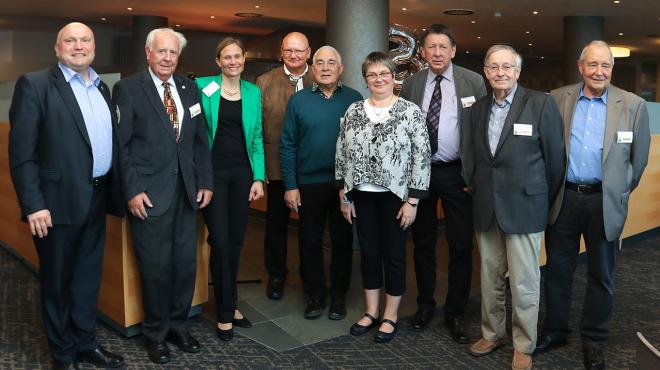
(579, 30)
(142, 25)
(356, 28)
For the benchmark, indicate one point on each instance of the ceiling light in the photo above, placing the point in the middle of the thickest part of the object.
(459, 12)
(213, 17)
(103, 19)
(257, 7)
(247, 15)
(404, 9)
(530, 44)
(177, 25)
(620, 52)
(423, 29)
(528, 32)
(616, 1)
(620, 33)
(542, 57)
(535, 12)
(479, 37)
(129, 9)
(473, 22)
(467, 51)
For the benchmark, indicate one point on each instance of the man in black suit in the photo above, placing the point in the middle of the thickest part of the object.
(518, 170)
(167, 176)
(447, 117)
(62, 161)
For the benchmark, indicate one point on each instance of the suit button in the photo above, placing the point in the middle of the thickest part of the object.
(176, 171)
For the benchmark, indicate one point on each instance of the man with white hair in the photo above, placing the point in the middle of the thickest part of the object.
(307, 161)
(166, 177)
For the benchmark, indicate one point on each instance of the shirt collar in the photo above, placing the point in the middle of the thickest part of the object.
(508, 98)
(158, 81)
(603, 97)
(291, 75)
(70, 73)
(315, 87)
(446, 75)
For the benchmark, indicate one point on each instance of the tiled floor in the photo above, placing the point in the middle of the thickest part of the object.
(280, 325)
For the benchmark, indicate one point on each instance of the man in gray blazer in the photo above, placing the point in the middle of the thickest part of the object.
(607, 144)
(444, 92)
(519, 167)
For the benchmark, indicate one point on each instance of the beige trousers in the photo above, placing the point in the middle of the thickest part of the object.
(519, 255)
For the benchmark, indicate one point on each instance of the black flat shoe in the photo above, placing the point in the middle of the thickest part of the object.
(241, 323)
(158, 351)
(383, 337)
(546, 343)
(337, 309)
(422, 318)
(357, 329)
(457, 330)
(275, 288)
(224, 335)
(184, 341)
(314, 309)
(100, 357)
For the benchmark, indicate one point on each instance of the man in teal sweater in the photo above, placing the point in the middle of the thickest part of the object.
(307, 160)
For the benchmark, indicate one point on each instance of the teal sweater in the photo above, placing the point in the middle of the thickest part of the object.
(309, 135)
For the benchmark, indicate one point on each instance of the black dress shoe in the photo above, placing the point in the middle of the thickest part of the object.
(546, 342)
(224, 335)
(99, 357)
(184, 341)
(158, 351)
(457, 330)
(314, 309)
(275, 289)
(593, 359)
(337, 309)
(241, 323)
(357, 329)
(71, 366)
(422, 318)
(383, 337)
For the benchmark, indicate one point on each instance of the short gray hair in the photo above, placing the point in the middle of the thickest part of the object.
(599, 43)
(495, 48)
(327, 47)
(179, 36)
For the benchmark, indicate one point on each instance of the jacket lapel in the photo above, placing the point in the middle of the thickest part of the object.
(417, 95)
(154, 98)
(514, 113)
(481, 112)
(459, 84)
(614, 107)
(568, 110)
(183, 89)
(247, 114)
(71, 103)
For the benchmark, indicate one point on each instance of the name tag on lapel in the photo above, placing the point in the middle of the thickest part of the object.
(210, 88)
(467, 101)
(195, 110)
(624, 137)
(521, 129)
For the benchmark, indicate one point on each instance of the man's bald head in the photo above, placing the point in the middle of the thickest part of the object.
(75, 47)
(295, 52)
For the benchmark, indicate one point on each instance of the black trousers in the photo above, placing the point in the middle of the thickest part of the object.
(382, 241)
(446, 185)
(275, 239)
(320, 202)
(166, 251)
(70, 267)
(226, 219)
(581, 214)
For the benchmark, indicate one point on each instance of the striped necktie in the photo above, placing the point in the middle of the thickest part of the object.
(170, 107)
(433, 114)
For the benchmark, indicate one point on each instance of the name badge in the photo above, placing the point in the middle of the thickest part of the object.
(467, 101)
(195, 110)
(624, 137)
(210, 88)
(521, 129)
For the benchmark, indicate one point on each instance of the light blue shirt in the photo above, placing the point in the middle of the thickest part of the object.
(586, 141)
(448, 132)
(498, 113)
(96, 115)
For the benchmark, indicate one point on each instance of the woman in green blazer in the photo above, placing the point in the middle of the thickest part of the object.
(232, 108)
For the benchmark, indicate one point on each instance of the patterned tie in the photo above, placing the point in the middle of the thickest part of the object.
(170, 107)
(433, 114)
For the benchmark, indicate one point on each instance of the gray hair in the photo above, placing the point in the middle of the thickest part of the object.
(327, 47)
(179, 36)
(495, 48)
(599, 43)
(378, 57)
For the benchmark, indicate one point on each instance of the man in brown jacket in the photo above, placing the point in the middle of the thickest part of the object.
(276, 87)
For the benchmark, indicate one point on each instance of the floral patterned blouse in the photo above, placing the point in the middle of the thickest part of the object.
(394, 153)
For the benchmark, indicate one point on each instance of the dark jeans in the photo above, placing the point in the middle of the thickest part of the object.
(382, 241)
(446, 185)
(320, 202)
(581, 214)
(226, 219)
(275, 239)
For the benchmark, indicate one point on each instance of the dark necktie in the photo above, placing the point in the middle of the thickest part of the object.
(170, 107)
(433, 114)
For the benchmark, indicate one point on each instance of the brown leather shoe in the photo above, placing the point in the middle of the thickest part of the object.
(484, 346)
(521, 361)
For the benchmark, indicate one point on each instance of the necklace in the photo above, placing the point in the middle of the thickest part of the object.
(230, 93)
(379, 111)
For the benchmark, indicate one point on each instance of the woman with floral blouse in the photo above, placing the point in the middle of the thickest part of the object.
(383, 169)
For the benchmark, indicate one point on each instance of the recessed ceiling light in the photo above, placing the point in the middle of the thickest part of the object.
(616, 1)
(103, 19)
(479, 37)
(257, 7)
(177, 25)
(129, 9)
(528, 32)
(467, 51)
(530, 44)
(620, 33)
(473, 22)
(404, 9)
(535, 12)
(542, 57)
(423, 29)
(459, 12)
(247, 15)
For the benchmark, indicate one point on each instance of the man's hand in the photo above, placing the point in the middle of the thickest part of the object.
(39, 222)
(292, 199)
(136, 205)
(204, 197)
(256, 191)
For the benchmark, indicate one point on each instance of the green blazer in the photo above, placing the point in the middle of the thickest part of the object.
(251, 110)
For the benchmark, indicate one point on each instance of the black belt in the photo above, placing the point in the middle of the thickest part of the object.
(98, 181)
(456, 162)
(584, 188)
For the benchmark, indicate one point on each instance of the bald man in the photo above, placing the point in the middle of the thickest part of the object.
(61, 156)
(277, 86)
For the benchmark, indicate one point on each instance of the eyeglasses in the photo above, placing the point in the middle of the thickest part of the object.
(290, 52)
(594, 66)
(374, 76)
(493, 68)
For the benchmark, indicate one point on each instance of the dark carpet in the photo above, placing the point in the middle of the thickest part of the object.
(637, 308)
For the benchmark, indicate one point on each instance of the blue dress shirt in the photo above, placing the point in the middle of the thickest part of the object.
(586, 141)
